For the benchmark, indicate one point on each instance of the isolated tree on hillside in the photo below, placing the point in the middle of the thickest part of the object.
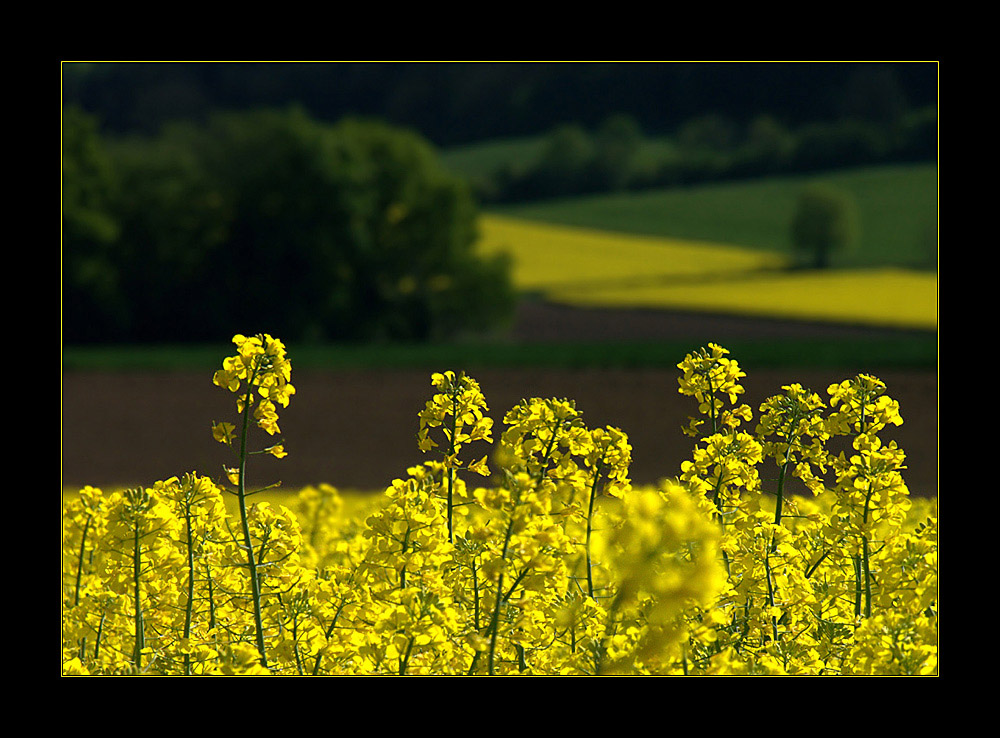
(824, 222)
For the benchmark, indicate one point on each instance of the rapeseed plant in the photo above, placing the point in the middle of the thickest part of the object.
(556, 565)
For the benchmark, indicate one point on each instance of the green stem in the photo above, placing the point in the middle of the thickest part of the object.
(867, 576)
(295, 644)
(136, 574)
(590, 521)
(495, 622)
(494, 625)
(404, 661)
(503, 600)
(517, 581)
(866, 571)
(402, 554)
(711, 402)
(544, 469)
(451, 462)
(329, 632)
(715, 501)
(100, 632)
(745, 631)
(601, 649)
(244, 520)
(722, 520)
(770, 597)
(79, 568)
(188, 610)
(781, 477)
(819, 561)
(79, 578)
(211, 598)
(475, 594)
(778, 502)
(857, 586)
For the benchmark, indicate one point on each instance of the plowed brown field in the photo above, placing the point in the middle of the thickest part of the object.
(356, 429)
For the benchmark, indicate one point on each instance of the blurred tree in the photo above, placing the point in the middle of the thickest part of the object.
(616, 143)
(175, 224)
(825, 221)
(766, 148)
(564, 162)
(837, 145)
(873, 93)
(92, 283)
(273, 220)
(711, 132)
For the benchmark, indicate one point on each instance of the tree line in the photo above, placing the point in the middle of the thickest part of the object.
(454, 103)
(618, 155)
(270, 219)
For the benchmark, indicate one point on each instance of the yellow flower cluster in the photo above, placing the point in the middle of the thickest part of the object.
(710, 377)
(812, 586)
(557, 564)
(794, 433)
(458, 408)
(260, 363)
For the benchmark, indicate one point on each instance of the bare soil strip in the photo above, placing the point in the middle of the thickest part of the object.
(356, 429)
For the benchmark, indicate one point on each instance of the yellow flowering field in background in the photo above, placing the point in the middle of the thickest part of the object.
(888, 297)
(591, 268)
(547, 256)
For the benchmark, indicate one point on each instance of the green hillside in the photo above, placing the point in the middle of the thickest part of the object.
(896, 207)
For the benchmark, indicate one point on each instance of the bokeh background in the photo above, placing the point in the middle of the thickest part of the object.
(555, 229)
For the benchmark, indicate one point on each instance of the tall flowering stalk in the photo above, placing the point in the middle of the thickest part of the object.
(710, 377)
(261, 371)
(793, 433)
(524, 565)
(870, 488)
(608, 460)
(140, 568)
(458, 407)
(82, 518)
(547, 441)
(197, 502)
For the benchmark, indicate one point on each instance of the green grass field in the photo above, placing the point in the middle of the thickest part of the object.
(906, 351)
(896, 207)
